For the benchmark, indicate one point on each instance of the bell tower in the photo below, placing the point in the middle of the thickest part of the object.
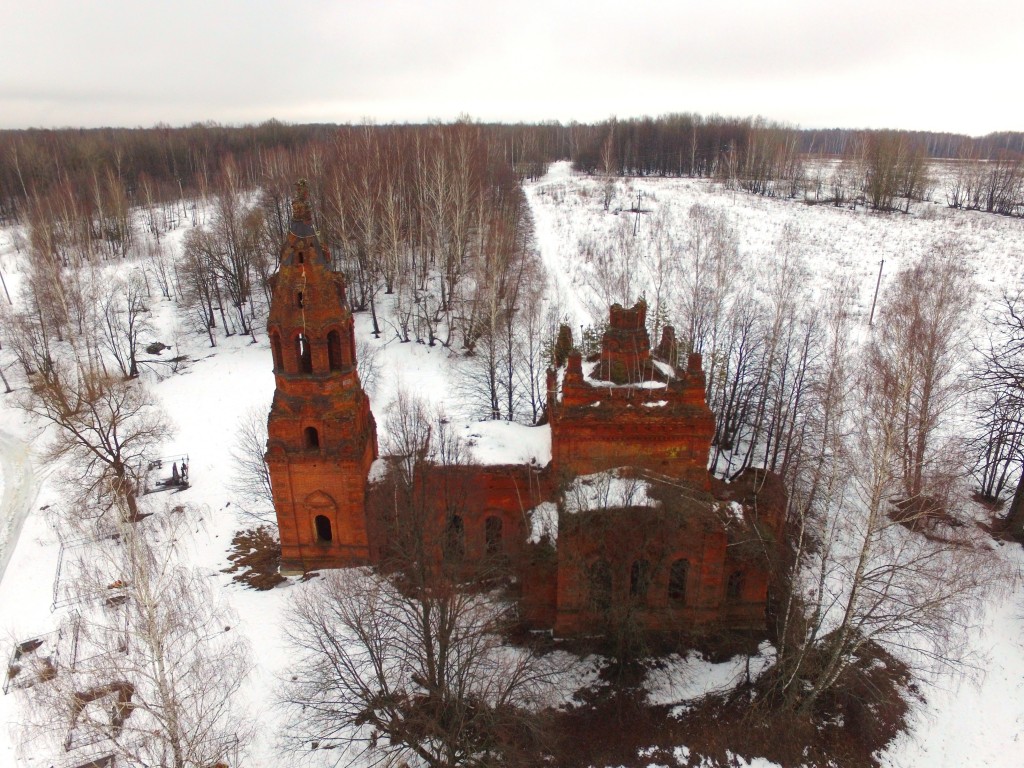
(322, 438)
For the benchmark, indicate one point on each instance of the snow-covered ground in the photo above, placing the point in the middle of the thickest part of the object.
(963, 721)
(19, 486)
(834, 243)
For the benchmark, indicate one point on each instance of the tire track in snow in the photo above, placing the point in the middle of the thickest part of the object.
(20, 488)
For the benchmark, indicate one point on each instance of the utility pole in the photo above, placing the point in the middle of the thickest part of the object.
(877, 283)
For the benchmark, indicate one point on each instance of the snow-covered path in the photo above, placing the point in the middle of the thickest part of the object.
(20, 489)
(553, 243)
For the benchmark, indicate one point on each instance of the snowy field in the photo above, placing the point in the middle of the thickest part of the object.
(973, 720)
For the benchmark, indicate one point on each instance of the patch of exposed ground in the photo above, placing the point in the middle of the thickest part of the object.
(614, 725)
(256, 558)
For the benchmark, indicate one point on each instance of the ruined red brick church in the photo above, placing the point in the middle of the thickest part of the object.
(624, 521)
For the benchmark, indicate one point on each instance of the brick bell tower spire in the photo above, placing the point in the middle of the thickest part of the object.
(322, 437)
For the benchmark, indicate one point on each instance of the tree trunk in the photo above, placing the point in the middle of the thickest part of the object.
(373, 314)
(1015, 517)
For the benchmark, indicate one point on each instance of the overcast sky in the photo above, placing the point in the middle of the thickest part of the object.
(894, 63)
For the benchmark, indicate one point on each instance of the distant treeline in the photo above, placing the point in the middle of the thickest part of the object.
(163, 163)
(837, 142)
(147, 165)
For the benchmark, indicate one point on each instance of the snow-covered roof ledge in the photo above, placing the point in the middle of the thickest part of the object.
(612, 489)
(504, 442)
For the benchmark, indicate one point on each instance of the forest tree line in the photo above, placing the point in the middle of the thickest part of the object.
(149, 165)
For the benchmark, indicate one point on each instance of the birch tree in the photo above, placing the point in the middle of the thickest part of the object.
(915, 355)
(862, 576)
(156, 663)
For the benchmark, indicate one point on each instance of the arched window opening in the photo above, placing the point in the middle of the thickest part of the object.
(312, 437)
(455, 539)
(301, 257)
(304, 354)
(599, 578)
(323, 528)
(639, 579)
(734, 589)
(298, 300)
(492, 534)
(334, 351)
(677, 581)
(275, 348)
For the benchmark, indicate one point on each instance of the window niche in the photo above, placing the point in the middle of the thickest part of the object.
(334, 360)
(324, 533)
(677, 577)
(639, 580)
(492, 535)
(599, 578)
(304, 354)
(275, 348)
(455, 539)
(734, 587)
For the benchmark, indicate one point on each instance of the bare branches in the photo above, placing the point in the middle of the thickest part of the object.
(123, 308)
(913, 361)
(390, 676)
(106, 427)
(252, 476)
(151, 668)
(867, 567)
(1001, 387)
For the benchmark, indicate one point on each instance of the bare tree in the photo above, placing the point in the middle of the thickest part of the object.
(894, 166)
(999, 440)
(421, 510)
(200, 293)
(864, 576)
(107, 427)
(124, 319)
(28, 337)
(608, 169)
(412, 666)
(252, 476)
(154, 662)
(397, 674)
(162, 268)
(537, 331)
(1002, 381)
(914, 355)
(710, 264)
(231, 250)
(613, 268)
(368, 365)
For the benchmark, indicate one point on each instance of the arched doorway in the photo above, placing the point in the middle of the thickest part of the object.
(322, 512)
